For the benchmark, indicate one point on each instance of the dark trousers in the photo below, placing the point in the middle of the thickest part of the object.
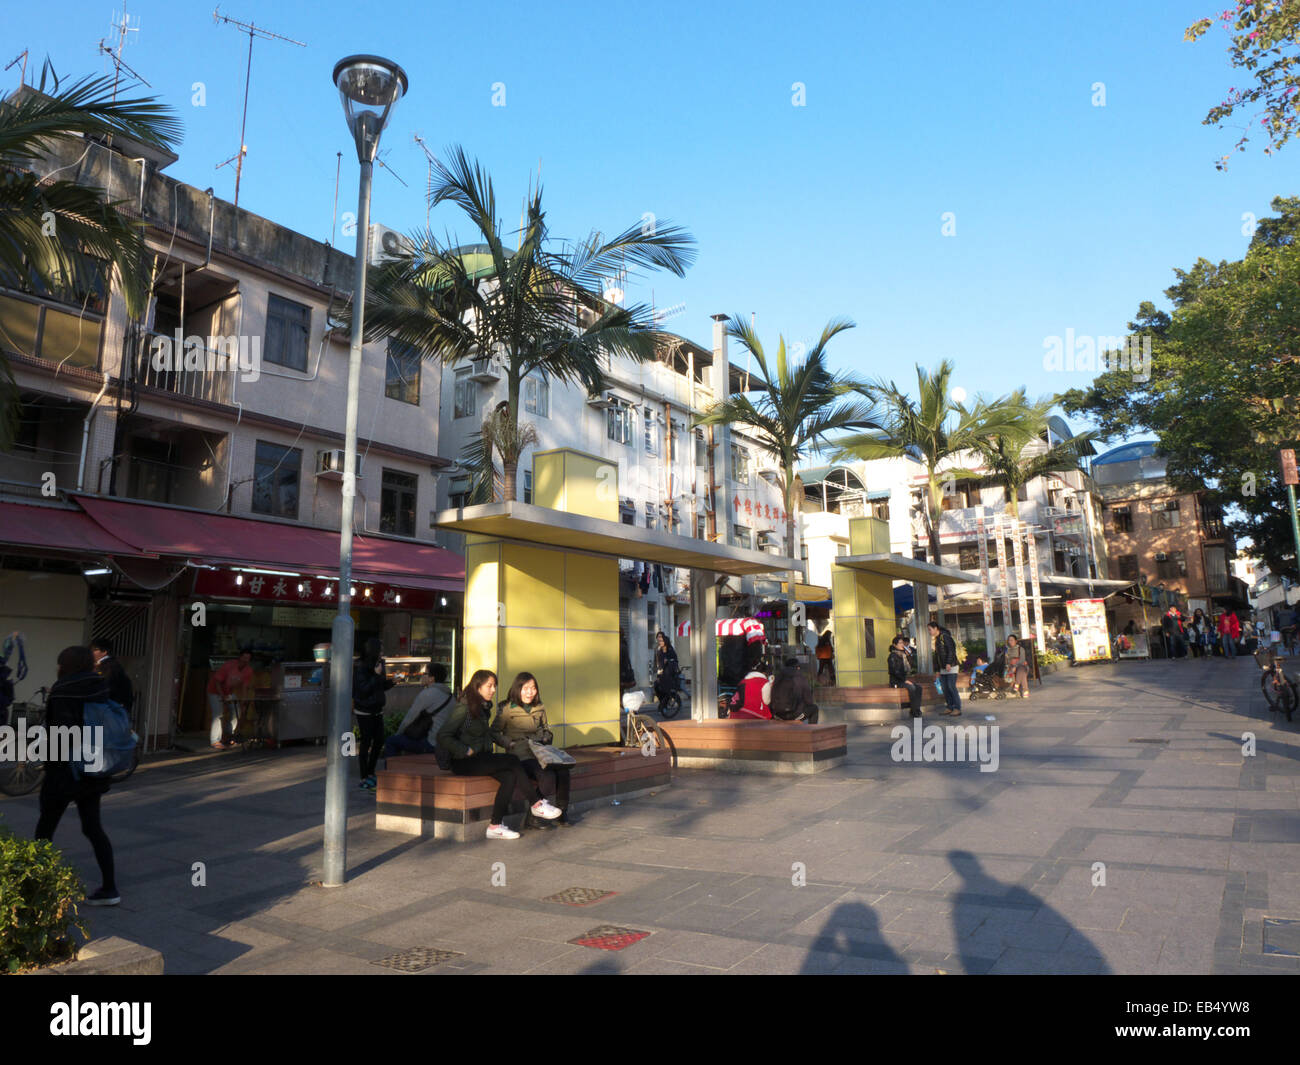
(398, 744)
(913, 694)
(826, 666)
(948, 681)
(552, 780)
(808, 710)
(371, 727)
(58, 790)
(508, 772)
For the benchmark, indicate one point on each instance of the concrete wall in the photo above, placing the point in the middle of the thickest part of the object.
(50, 611)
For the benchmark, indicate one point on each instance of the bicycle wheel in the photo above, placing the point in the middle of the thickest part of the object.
(20, 778)
(1286, 699)
(651, 738)
(1271, 694)
(118, 777)
(671, 705)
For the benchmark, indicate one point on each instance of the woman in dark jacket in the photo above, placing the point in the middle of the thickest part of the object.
(368, 687)
(466, 737)
(666, 669)
(77, 685)
(520, 718)
(900, 668)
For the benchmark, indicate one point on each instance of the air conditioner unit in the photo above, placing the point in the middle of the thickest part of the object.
(329, 465)
(768, 539)
(602, 400)
(770, 475)
(337, 331)
(484, 370)
(386, 244)
(1161, 557)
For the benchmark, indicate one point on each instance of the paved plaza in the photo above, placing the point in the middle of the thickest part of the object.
(876, 866)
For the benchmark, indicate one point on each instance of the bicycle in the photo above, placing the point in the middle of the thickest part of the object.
(641, 730)
(22, 777)
(670, 702)
(1280, 691)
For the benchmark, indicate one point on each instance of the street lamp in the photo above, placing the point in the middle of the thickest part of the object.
(370, 87)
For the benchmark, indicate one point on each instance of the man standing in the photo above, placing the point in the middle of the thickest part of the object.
(792, 694)
(108, 667)
(945, 665)
(225, 685)
(1229, 633)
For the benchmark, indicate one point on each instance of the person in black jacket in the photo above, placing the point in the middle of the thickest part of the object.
(900, 671)
(108, 667)
(791, 698)
(368, 687)
(77, 685)
(945, 665)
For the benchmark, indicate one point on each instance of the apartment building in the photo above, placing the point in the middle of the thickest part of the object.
(1156, 534)
(194, 456)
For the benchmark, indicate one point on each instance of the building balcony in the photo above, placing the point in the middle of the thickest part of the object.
(195, 373)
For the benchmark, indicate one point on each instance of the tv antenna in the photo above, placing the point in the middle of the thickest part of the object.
(428, 187)
(252, 31)
(380, 160)
(120, 26)
(22, 78)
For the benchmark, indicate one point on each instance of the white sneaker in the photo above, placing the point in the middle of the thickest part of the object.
(501, 832)
(542, 808)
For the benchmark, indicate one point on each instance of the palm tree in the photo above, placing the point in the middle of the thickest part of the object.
(537, 307)
(497, 436)
(933, 428)
(794, 411)
(1011, 461)
(56, 236)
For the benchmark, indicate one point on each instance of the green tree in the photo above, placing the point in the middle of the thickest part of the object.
(795, 406)
(56, 235)
(538, 307)
(934, 428)
(1266, 42)
(1224, 390)
(1016, 459)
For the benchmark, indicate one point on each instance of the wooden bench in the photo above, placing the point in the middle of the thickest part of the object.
(416, 797)
(749, 746)
(878, 703)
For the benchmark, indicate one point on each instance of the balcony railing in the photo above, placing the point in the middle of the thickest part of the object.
(214, 382)
(1213, 529)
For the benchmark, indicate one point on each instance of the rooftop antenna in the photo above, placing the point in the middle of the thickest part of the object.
(121, 26)
(252, 31)
(380, 160)
(334, 219)
(749, 355)
(22, 78)
(428, 187)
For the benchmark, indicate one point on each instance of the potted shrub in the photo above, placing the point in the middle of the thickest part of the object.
(39, 893)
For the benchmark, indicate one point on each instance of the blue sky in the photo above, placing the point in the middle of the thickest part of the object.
(1066, 214)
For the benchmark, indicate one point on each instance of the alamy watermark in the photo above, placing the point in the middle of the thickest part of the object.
(951, 743)
(1087, 354)
(237, 354)
(82, 744)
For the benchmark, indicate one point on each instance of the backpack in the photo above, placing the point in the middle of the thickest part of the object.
(114, 740)
(425, 720)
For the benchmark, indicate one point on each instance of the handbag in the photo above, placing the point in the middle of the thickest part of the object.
(547, 755)
(419, 728)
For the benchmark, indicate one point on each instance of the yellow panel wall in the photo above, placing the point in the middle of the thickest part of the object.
(857, 596)
(576, 483)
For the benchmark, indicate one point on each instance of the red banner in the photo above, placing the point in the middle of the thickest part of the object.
(279, 590)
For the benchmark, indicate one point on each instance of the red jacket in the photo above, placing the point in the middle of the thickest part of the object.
(1230, 626)
(748, 700)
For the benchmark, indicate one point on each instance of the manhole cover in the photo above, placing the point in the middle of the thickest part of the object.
(579, 896)
(1282, 936)
(417, 959)
(609, 937)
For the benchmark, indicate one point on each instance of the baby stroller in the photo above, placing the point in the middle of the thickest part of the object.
(990, 682)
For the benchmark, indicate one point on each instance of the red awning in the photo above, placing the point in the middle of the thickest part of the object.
(58, 529)
(221, 539)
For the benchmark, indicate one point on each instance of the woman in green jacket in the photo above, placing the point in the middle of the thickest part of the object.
(520, 718)
(467, 738)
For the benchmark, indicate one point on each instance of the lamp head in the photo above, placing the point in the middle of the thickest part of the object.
(369, 86)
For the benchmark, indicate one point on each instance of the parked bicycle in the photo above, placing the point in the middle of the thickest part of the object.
(1280, 690)
(24, 777)
(642, 730)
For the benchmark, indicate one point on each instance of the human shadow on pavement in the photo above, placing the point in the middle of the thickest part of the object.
(990, 918)
(851, 941)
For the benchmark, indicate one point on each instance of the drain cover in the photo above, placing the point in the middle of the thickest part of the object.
(579, 896)
(1282, 936)
(609, 937)
(417, 959)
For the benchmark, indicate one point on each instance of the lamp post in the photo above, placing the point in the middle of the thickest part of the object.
(369, 86)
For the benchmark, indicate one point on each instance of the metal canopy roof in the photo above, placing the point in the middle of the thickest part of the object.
(902, 568)
(529, 523)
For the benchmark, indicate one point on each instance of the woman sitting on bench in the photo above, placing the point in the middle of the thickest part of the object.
(466, 737)
(520, 718)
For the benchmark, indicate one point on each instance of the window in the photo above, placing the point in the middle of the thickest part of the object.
(528, 486)
(803, 552)
(739, 464)
(701, 449)
(463, 402)
(968, 557)
(537, 395)
(403, 374)
(651, 623)
(880, 509)
(841, 550)
(1128, 568)
(287, 328)
(651, 433)
(1165, 515)
(741, 537)
(397, 503)
(701, 527)
(1122, 517)
(675, 518)
(458, 492)
(674, 441)
(650, 516)
(275, 480)
(1172, 564)
(618, 423)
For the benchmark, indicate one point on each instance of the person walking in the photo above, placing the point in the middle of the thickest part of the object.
(946, 666)
(666, 669)
(792, 696)
(368, 687)
(826, 658)
(522, 717)
(466, 740)
(900, 672)
(1229, 633)
(77, 684)
(227, 684)
(1017, 666)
